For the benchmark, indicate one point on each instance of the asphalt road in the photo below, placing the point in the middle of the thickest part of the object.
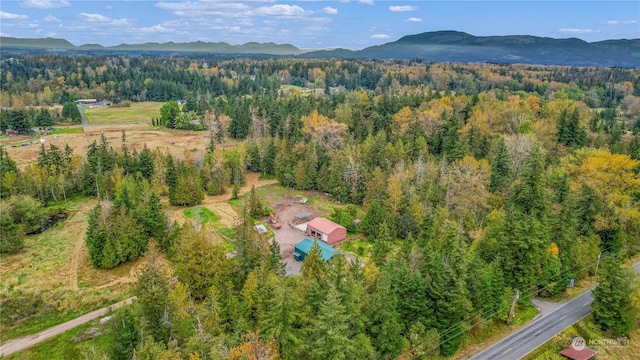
(22, 343)
(536, 333)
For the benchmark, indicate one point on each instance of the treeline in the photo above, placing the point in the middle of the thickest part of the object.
(207, 83)
(29, 80)
(24, 120)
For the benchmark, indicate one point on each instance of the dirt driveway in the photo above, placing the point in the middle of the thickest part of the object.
(24, 342)
(288, 236)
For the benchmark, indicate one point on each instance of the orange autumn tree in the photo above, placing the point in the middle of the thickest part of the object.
(402, 121)
(254, 348)
(324, 131)
(616, 183)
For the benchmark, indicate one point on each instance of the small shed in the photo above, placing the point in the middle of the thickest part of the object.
(325, 229)
(302, 249)
(261, 229)
(574, 354)
(302, 217)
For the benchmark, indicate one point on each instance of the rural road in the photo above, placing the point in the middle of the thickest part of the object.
(539, 331)
(84, 118)
(22, 343)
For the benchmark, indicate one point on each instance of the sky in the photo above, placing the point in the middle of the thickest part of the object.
(352, 24)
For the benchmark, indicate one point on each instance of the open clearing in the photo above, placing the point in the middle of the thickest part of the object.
(285, 204)
(293, 89)
(54, 266)
(286, 207)
(137, 112)
(219, 204)
(176, 142)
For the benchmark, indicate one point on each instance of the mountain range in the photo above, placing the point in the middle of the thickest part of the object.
(437, 46)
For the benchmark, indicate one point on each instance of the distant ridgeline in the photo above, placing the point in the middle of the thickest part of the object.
(437, 46)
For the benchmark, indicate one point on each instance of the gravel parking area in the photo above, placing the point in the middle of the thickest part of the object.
(288, 236)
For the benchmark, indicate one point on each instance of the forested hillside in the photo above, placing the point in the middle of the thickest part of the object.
(476, 182)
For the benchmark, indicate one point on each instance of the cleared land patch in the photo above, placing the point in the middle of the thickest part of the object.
(52, 280)
(201, 214)
(177, 143)
(66, 130)
(136, 112)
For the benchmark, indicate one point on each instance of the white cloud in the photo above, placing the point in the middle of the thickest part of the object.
(51, 18)
(402, 8)
(45, 4)
(380, 36)
(329, 10)
(621, 22)
(156, 29)
(578, 31)
(168, 27)
(281, 10)
(10, 16)
(256, 20)
(94, 17)
(368, 2)
(200, 8)
(414, 19)
(101, 19)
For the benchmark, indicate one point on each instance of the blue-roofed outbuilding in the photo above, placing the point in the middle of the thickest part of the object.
(303, 247)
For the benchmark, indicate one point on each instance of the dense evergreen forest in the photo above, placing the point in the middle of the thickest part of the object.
(476, 182)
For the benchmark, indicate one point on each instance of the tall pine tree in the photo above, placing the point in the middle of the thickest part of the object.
(611, 307)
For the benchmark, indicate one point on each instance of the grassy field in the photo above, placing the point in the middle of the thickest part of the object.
(304, 91)
(137, 112)
(360, 246)
(66, 130)
(52, 280)
(316, 199)
(178, 143)
(202, 214)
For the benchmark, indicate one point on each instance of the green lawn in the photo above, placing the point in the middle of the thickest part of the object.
(202, 213)
(360, 247)
(66, 130)
(137, 112)
(227, 232)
